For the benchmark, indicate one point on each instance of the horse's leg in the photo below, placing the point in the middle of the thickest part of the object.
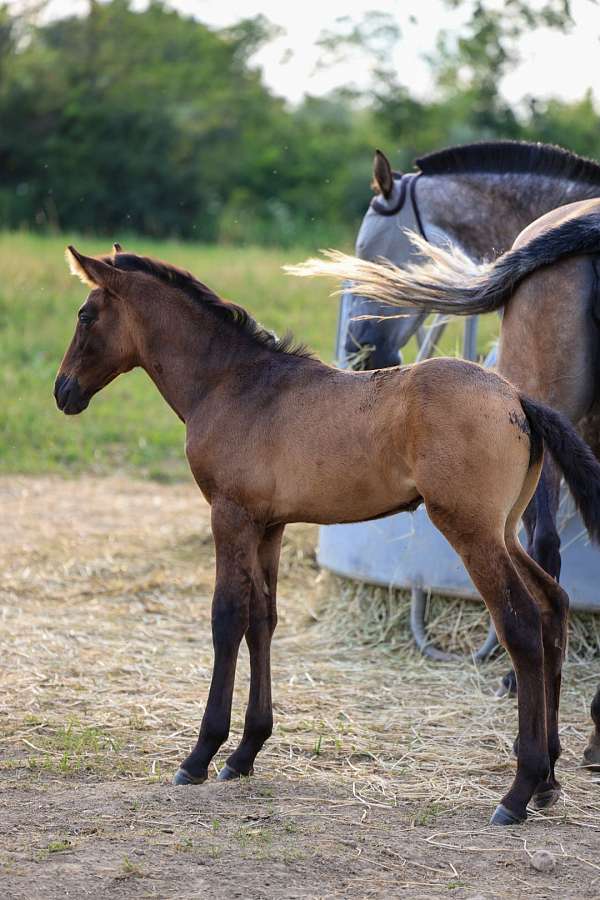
(519, 628)
(554, 606)
(591, 754)
(543, 540)
(263, 619)
(237, 540)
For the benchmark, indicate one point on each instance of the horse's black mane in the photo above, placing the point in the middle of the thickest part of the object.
(503, 157)
(200, 293)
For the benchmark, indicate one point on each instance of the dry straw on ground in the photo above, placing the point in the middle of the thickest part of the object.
(107, 659)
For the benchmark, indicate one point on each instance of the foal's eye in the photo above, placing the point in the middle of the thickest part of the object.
(85, 318)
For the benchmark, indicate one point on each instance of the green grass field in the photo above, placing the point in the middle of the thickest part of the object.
(128, 426)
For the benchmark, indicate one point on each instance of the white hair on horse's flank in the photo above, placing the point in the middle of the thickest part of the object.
(441, 270)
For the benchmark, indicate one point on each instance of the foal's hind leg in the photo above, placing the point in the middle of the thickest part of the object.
(263, 619)
(518, 625)
(554, 606)
(543, 540)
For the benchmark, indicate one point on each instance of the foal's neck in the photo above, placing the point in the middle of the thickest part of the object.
(189, 351)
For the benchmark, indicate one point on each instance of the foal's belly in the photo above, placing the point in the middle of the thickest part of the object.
(342, 496)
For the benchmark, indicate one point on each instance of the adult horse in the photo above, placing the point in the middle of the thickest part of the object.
(275, 436)
(549, 287)
(478, 196)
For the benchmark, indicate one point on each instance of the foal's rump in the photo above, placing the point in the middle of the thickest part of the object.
(468, 438)
(473, 439)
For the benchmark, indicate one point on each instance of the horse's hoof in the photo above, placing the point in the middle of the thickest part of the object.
(229, 774)
(508, 687)
(503, 816)
(183, 777)
(545, 799)
(591, 758)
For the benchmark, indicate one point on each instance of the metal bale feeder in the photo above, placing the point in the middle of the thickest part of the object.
(406, 551)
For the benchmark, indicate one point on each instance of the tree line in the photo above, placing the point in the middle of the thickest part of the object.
(123, 120)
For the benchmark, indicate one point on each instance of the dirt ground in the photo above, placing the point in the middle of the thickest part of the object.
(379, 779)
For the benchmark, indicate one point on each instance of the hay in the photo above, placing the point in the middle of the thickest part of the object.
(107, 656)
(359, 613)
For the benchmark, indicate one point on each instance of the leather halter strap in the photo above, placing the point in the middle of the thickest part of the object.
(407, 185)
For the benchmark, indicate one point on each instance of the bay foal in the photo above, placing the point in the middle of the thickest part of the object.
(276, 436)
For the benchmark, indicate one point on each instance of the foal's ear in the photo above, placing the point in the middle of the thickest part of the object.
(117, 248)
(96, 273)
(383, 177)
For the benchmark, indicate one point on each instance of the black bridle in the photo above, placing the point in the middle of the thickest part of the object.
(407, 186)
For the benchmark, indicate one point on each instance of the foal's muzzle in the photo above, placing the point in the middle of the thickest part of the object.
(69, 396)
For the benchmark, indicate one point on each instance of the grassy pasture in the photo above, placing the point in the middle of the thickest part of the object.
(128, 426)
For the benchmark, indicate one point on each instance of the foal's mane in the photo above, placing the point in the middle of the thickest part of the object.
(504, 157)
(207, 299)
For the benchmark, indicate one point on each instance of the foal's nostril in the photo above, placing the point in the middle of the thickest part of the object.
(66, 388)
(70, 397)
(59, 392)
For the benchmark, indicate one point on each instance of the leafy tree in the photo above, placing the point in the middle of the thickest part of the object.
(149, 121)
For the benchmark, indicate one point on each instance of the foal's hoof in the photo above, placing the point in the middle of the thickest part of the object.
(503, 816)
(591, 757)
(229, 774)
(545, 799)
(183, 777)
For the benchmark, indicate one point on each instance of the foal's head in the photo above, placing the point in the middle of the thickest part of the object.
(103, 345)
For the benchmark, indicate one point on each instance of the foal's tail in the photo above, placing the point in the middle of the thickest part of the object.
(447, 280)
(573, 457)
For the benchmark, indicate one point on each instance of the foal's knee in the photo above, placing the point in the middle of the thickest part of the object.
(229, 624)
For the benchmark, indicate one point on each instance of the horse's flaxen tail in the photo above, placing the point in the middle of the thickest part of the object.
(579, 466)
(447, 280)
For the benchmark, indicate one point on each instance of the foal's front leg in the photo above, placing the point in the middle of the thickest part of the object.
(237, 539)
(263, 619)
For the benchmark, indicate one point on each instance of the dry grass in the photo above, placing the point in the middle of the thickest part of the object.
(358, 613)
(106, 658)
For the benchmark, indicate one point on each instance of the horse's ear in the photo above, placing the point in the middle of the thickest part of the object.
(94, 272)
(117, 248)
(383, 177)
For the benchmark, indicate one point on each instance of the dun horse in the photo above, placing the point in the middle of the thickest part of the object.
(549, 346)
(276, 436)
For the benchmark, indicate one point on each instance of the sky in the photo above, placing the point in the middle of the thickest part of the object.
(553, 64)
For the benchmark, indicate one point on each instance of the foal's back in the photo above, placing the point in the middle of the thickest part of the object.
(326, 445)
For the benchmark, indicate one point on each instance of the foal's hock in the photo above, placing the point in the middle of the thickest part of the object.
(276, 436)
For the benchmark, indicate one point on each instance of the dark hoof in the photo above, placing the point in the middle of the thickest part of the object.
(508, 686)
(183, 777)
(503, 816)
(591, 754)
(229, 774)
(545, 799)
